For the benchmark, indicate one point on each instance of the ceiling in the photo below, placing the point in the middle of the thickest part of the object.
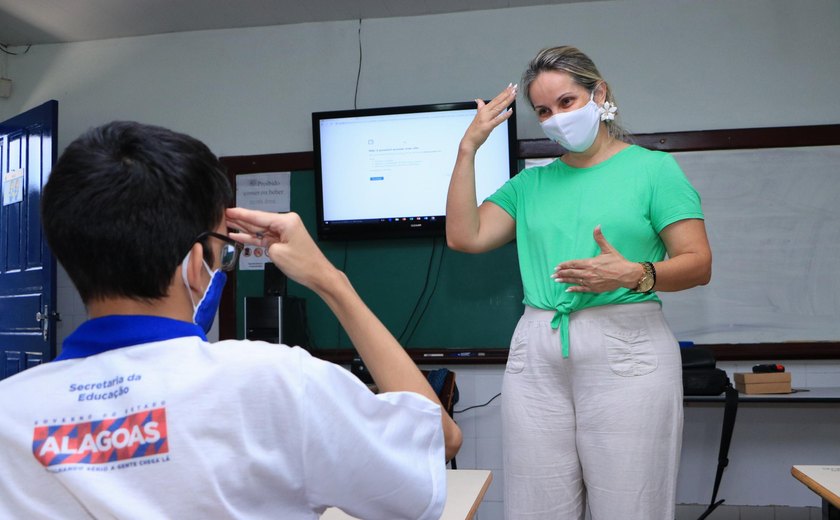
(32, 22)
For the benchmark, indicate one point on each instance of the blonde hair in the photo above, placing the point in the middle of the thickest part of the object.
(580, 68)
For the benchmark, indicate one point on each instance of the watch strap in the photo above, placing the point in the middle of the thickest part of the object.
(648, 277)
(652, 272)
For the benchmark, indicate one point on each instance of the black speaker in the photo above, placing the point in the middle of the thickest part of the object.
(276, 319)
(274, 281)
(358, 369)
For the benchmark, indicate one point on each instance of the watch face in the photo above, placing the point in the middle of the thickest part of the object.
(646, 283)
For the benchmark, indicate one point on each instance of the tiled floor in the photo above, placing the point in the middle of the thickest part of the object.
(494, 511)
(692, 512)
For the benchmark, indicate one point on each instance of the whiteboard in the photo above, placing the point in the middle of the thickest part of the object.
(773, 219)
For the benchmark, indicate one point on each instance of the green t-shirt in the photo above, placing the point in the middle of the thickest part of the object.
(633, 195)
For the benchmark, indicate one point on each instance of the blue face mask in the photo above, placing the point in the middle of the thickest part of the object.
(205, 310)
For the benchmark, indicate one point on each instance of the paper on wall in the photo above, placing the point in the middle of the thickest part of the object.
(12, 187)
(264, 192)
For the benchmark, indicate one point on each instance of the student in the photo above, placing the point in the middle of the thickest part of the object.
(141, 417)
(592, 393)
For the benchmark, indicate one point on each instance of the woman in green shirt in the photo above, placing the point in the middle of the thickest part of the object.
(592, 392)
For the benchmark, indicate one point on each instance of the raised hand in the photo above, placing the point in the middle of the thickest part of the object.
(287, 243)
(489, 116)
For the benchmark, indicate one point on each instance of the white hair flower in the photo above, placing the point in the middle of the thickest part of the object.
(607, 111)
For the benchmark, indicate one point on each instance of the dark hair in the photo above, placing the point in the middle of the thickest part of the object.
(124, 204)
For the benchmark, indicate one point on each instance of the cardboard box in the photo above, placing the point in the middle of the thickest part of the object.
(766, 383)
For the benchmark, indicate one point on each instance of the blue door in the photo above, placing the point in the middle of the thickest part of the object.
(28, 150)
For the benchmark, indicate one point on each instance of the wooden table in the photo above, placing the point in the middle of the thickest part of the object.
(824, 481)
(465, 489)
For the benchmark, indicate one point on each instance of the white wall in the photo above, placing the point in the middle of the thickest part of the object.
(674, 65)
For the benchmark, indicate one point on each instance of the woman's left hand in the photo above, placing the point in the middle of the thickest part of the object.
(606, 272)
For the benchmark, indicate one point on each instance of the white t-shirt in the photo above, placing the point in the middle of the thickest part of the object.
(181, 428)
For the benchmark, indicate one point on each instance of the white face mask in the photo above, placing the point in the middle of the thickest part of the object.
(576, 130)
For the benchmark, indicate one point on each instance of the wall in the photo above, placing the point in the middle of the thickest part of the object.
(674, 65)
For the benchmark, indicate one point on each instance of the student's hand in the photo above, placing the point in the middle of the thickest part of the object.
(287, 242)
(606, 272)
(294, 252)
(489, 116)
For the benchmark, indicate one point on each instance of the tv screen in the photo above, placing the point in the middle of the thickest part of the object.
(384, 172)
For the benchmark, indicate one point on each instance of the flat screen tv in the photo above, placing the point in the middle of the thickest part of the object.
(384, 172)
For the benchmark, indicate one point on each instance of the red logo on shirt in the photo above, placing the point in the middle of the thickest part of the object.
(96, 442)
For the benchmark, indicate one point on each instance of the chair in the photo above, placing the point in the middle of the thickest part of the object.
(442, 381)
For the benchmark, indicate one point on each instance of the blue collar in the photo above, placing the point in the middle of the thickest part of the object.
(112, 332)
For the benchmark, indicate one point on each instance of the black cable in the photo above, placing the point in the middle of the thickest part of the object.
(307, 331)
(401, 337)
(431, 294)
(359, 72)
(5, 48)
(478, 405)
(343, 270)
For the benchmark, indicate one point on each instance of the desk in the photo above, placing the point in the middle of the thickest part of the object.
(824, 481)
(803, 395)
(816, 400)
(465, 489)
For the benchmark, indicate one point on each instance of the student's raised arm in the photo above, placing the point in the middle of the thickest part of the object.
(470, 228)
(293, 251)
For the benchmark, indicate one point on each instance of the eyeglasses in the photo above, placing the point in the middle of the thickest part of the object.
(230, 251)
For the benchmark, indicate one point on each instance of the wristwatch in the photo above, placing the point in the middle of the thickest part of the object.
(648, 279)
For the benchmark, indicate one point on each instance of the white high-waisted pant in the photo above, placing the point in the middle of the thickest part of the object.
(603, 426)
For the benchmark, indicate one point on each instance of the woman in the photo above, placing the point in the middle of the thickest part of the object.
(592, 392)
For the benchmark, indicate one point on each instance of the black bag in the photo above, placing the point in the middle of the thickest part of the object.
(702, 377)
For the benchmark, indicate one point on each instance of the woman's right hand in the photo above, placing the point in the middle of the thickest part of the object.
(489, 116)
(469, 228)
